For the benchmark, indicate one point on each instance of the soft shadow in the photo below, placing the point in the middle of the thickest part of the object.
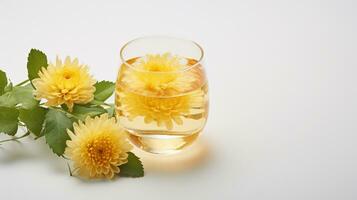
(187, 159)
(190, 158)
(14, 153)
(31, 150)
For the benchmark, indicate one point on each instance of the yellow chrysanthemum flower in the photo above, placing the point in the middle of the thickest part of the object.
(156, 86)
(163, 111)
(170, 80)
(64, 83)
(97, 147)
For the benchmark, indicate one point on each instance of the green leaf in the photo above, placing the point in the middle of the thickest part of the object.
(8, 88)
(111, 110)
(19, 95)
(33, 119)
(103, 90)
(83, 111)
(35, 61)
(8, 120)
(133, 168)
(55, 130)
(96, 102)
(24, 96)
(3, 82)
(8, 100)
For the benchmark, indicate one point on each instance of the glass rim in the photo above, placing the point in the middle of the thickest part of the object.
(199, 61)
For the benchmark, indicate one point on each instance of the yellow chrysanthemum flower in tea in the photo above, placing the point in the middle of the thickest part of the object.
(169, 80)
(65, 82)
(161, 88)
(163, 111)
(160, 63)
(98, 147)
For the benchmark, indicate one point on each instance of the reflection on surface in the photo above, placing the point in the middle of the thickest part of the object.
(187, 159)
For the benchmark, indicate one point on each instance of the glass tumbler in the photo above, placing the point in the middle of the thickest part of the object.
(161, 96)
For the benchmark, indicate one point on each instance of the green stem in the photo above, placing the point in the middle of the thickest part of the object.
(107, 104)
(69, 169)
(23, 82)
(16, 138)
(38, 137)
(71, 172)
(61, 110)
(21, 124)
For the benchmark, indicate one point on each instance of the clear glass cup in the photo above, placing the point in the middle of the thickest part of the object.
(161, 93)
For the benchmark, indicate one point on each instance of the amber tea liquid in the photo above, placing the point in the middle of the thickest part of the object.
(167, 121)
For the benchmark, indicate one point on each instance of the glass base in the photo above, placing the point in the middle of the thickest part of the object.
(162, 143)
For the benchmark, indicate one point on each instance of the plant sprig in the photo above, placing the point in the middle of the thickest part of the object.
(18, 107)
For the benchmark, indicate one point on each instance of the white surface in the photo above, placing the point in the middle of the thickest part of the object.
(283, 96)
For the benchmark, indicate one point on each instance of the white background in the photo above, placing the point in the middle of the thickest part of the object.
(282, 75)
